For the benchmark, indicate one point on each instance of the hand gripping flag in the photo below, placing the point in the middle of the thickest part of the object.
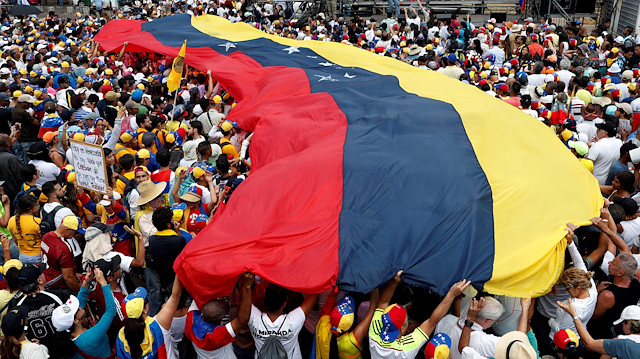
(173, 83)
(363, 165)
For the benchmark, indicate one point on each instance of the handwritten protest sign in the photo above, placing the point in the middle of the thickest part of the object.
(90, 167)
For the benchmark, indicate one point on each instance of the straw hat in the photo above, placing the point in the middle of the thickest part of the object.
(514, 345)
(149, 191)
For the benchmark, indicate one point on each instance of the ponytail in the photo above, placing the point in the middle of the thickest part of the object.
(24, 205)
(134, 333)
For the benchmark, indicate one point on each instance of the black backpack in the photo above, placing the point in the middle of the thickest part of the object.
(272, 347)
(48, 223)
(175, 156)
(129, 185)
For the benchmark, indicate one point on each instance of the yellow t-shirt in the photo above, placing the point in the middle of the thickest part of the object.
(230, 149)
(29, 236)
(348, 346)
(120, 185)
(5, 297)
(176, 124)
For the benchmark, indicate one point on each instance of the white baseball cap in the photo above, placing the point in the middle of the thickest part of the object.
(63, 316)
(631, 312)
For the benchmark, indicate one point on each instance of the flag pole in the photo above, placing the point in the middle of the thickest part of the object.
(173, 110)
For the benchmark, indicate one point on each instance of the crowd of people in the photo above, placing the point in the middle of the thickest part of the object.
(90, 275)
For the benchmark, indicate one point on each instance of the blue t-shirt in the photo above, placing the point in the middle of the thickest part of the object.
(621, 348)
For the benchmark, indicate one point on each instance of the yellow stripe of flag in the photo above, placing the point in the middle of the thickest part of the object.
(173, 83)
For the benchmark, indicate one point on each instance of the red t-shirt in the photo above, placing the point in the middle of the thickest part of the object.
(56, 254)
(191, 220)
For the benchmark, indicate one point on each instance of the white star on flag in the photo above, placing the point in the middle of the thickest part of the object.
(227, 46)
(326, 78)
(291, 49)
(346, 74)
(326, 64)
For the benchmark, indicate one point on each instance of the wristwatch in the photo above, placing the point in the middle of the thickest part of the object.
(468, 323)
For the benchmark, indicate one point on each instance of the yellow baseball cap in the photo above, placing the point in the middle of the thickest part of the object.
(226, 126)
(64, 64)
(216, 99)
(108, 72)
(126, 137)
(11, 263)
(144, 154)
(74, 223)
(134, 303)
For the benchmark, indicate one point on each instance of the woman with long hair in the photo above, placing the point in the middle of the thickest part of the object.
(73, 199)
(25, 229)
(15, 345)
(143, 336)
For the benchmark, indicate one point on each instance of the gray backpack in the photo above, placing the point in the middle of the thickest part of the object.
(272, 347)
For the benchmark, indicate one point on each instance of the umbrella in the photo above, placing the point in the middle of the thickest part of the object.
(24, 10)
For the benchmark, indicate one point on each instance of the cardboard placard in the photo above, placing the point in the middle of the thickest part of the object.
(90, 166)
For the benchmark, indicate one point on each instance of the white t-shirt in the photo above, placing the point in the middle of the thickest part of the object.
(630, 231)
(34, 351)
(533, 113)
(169, 343)
(483, 343)
(206, 195)
(584, 307)
(48, 171)
(63, 212)
(132, 197)
(588, 128)
(536, 79)
(603, 153)
(176, 333)
(565, 76)
(289, 324)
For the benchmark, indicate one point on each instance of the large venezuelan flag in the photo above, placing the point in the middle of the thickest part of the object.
(363, 165)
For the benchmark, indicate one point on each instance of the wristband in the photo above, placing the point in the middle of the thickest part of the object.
(576, 318)
(468, 323)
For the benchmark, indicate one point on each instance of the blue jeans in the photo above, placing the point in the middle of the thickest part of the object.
(31, 259)
(397, 5)
(153, 291)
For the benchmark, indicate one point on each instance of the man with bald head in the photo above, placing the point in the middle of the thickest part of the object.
(9, 168)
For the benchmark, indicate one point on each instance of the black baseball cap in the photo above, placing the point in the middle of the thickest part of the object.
(109, 265)
(28, 274)
(12, 322)
(607, 126)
